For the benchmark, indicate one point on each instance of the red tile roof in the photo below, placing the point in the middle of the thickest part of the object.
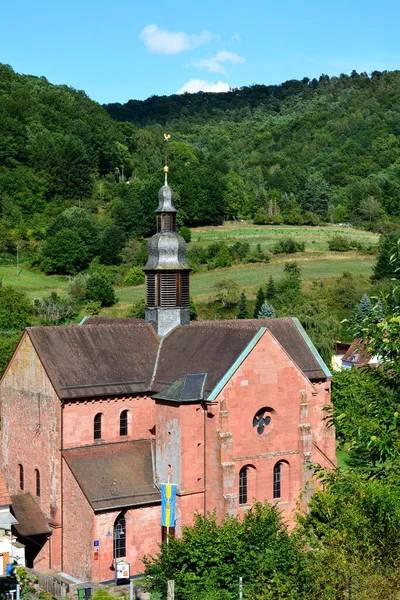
(357, 354)
(109, 357)
(115, 475)
(31, 520)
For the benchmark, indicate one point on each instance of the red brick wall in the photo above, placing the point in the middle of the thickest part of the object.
(79, 417)
(30, 435)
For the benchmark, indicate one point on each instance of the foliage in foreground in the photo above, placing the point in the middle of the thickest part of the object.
(351, 534)
(210, 557)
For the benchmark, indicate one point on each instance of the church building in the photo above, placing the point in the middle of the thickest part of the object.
(94, 417)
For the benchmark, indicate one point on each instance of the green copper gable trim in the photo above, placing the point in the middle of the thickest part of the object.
(222, 382)
(311, 346)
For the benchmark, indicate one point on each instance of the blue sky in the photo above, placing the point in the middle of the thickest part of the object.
(135, 49)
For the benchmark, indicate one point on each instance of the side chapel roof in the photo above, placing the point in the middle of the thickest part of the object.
(115, 475)
(107, 356)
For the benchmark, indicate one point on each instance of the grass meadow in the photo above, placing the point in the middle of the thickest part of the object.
(316, 262)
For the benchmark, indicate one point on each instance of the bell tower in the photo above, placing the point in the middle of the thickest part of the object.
(167, 273)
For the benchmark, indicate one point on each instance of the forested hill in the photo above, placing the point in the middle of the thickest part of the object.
(206, 105)
(74, 180)
(329, 147)
(163, 109)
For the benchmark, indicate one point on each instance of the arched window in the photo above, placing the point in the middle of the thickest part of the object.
(243, 486)
(21, 476)
(277, 480)
(123, 423)
(97, 427)
(37, 482)
(120, 536)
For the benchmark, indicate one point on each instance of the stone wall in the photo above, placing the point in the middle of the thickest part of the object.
(30, 436)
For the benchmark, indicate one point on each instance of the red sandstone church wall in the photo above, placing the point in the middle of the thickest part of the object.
(143, 534)
(78, 519)
(324, 441)
(180, 455)
(267, 378)
(79, 416)
(30, 412)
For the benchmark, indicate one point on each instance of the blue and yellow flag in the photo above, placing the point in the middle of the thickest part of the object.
(168, 495)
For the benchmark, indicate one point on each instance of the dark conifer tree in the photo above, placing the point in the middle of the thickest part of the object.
(259, 302)
(271, 290)
(243, 312)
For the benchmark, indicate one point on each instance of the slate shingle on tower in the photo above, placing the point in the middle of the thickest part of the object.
(167, 272)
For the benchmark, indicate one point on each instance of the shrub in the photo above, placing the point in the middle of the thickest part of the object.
(54, 310)
(135, 276)
(222, 259)
(239, 251)
(137, 310)
(77, 287)
(257, 255)
(338, 243)
(288, 245)
(185, 233)
(92, 308)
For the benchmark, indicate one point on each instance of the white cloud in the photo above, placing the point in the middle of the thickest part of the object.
(215, 63)
(160, 41)
(199, 85)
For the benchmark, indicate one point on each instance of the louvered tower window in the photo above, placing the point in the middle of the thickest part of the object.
(151, 289)
(168, 289)
(184, 281)
(166, 222)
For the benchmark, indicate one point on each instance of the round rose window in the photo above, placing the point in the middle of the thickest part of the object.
(261, 420)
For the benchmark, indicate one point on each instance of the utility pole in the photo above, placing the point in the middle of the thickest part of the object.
(171, 589)
(17, 259)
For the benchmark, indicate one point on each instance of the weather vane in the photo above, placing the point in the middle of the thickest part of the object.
(167, 137)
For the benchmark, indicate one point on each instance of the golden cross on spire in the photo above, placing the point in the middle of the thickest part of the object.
(167, 137)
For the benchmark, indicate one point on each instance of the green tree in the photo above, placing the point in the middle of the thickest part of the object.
(266, 311)
(260, 298)
(227, 292)
(338, 243)
(270, 291)
(65, 252)
(100, 289)
(352, 525)
(211, 555)
(370, 209)
(15, 310)
(243, 312)
(385, 267)
(290, 286)
(111, 243)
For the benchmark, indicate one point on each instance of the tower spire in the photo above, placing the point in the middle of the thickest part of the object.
(167, 137)
(167, 272)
